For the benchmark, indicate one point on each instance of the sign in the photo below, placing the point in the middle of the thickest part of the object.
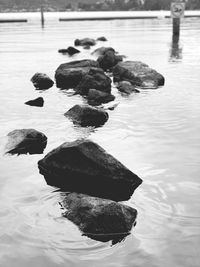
(177, 9)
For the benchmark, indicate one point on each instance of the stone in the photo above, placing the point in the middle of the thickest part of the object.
(99, 219)
(108, 60)
(70, 51)
(85, 115)
(24, 141)
(94, 79)
(38, 102)
(102, 38)
(69, 75)
(41, 81)
(102, 50)
(138, 74)
(84, 167)
(127, 88)
(85, 42)
(96, 97)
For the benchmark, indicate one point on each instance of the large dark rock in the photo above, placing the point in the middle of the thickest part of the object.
(38, 102)
(99, 219)
(94, 79)
(138, 73)
(85, 42)
(86, 115)
(41, 81)
(96, 97)
(85, 167)
(70, 51)
(108, 60)
(69, 75)
(127, 88)
(25, 141)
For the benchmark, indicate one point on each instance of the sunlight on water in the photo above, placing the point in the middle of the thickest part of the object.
(154, 133)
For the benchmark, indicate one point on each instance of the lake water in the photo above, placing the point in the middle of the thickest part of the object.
(154, 133)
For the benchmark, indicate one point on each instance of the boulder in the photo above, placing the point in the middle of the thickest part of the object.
(96, 97)
(85, 115)
(41, 81)
(99, 219)
(85, 167)
(102, 38)
(127, 88)
(108, 60)
(138, 73)
(69, 75)
(94, 79)
(102, 50)
(85, 42)
(87, 47)
(24, 141)
(70, 51)
(38, 102)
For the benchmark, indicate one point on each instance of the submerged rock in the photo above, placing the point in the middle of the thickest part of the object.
(99, 219)
(85, 42)
(41, 81)
(102, 38)
(70, 51)
(94, 79)
(24, 141)
(137, 73)
(86, 115)
(38, 102)
(96, 97)
(69, 75)
(85, 167)
(127, 88)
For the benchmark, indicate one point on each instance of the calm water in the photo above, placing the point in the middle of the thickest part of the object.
(154, 133)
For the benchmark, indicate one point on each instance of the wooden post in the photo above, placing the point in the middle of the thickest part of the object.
(42, 16)
(177, 12)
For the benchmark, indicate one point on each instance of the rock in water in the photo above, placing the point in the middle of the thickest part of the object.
(102, 50)
(69, 75)
(38, 102)
(85, 42)
(102, 38)
(96, 97)
(24, 141)
(70, 51)
(127, 87)
(138, 73)
(85, 167)
(86, 115)
(41, 81)
(99, 219)
(108, 60)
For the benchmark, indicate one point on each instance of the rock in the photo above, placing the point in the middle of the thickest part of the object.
(96, 97)
(25, 141)
(94, 79)
(102, 50)
(85, 167)
(99, 219)
(38, 102)
(70, 51)
(138, 74)
(108, 60)
(86, 115)
(41, 81)
(102, 38)
(84, 42)
(69, 75)
(87, 47)
(127, 87)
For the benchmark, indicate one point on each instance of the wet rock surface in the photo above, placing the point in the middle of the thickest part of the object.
(85, 115)
(108, 60)
(96, 97)
(41, 81)
(38, 102)
(85, 42)
(102, 38)
(70, 51)
(69, 75)
(138, 74)
(127, 88)
(102, 50)
(24, 141)
(85, 167)
(99, 219)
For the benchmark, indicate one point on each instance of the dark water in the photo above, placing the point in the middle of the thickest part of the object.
(154, 133)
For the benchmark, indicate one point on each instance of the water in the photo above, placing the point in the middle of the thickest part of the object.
(154, 133)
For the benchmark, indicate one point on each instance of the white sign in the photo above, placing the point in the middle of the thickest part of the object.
(177, 9)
